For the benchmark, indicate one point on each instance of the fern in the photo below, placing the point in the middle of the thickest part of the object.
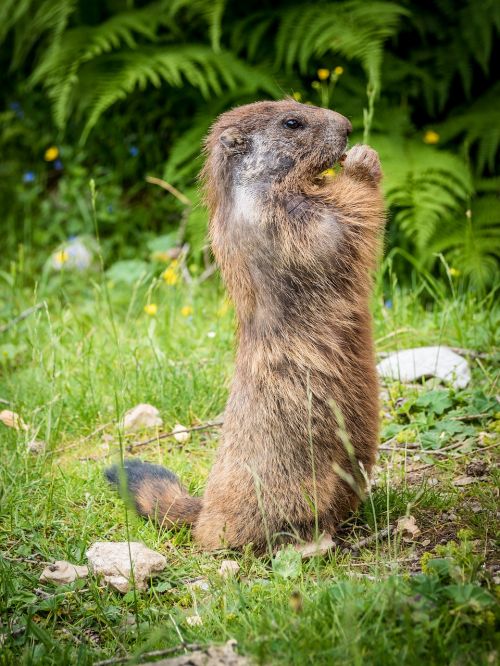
(353, 29)
(59, 67)
(473, 242)
(32, 21)
(479, 126)
(473, 28)
(424, 186)
(112, 78)
(210, 10)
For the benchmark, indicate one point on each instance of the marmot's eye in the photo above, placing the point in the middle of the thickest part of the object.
(292, 123)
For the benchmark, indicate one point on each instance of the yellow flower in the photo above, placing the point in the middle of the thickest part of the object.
(61, 257)
(186, 310)
(328, 172)
(151, 309)
(323, 74)
(51, 154)
(170, 274)
(297, 96)
(454, 272)
(338, 71)
(431, 137)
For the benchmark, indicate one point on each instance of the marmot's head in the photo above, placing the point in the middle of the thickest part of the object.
(265, 142)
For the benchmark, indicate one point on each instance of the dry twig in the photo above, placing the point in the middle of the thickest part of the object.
(204, 426)
(189, 647)
(20, 317)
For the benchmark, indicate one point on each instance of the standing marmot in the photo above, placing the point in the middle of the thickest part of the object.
(296, 252)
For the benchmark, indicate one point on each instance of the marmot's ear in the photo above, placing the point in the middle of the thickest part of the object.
(233, 140)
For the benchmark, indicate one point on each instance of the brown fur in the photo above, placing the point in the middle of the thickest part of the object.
(168, 503)
(296, 253)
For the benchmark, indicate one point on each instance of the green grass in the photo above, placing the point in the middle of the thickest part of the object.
(92, 353)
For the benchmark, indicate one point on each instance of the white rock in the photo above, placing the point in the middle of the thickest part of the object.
(113, 561)
(408, 527)
(316, 548)
(229, 568)
(411, 364)
(12, 420)
(142, 416)
(198, 584)
(180, 434)
(62, 573)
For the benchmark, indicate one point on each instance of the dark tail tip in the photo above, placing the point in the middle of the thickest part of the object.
(154, 491)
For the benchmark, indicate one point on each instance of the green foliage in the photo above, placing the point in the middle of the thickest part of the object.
(75, 366)
(152, 76)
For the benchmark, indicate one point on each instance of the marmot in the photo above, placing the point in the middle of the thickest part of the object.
(296, 251)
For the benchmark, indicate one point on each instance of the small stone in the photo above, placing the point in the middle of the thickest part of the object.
(229, 568)
(62, 573)
(426, 542)
(194, 620)
(142, 416)
(180, 433)
(112, 561)
(476, 468)
(408, 527)
(464, 481)
(36, 446)
(198, 584)
(12, 420)
(316, 548)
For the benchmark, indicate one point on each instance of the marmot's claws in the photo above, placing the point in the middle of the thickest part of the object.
(363, 160)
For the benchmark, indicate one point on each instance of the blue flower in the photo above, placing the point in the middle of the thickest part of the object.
(110, 208)
(16, 107)
(29, 177)
(134, 151)
(388, 304)
(58, 165)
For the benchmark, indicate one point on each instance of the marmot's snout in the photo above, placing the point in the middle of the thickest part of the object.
(341, 123)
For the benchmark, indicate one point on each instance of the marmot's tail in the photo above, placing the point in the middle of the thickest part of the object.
(155, 491)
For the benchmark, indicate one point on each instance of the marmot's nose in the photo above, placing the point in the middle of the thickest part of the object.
(341, 122)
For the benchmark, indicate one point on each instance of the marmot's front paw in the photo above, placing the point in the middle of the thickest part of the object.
(363, 162)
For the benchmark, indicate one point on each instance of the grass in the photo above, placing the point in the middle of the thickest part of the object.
(91, 353)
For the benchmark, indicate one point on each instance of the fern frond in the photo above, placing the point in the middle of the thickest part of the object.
(250, 32)
(32, 21)
(426, 187)
(474, 28)
(11, 11)
(211, 12)
(59, 66)
(354, 29)
(473, 242)
(479, 125)
(111, 78)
